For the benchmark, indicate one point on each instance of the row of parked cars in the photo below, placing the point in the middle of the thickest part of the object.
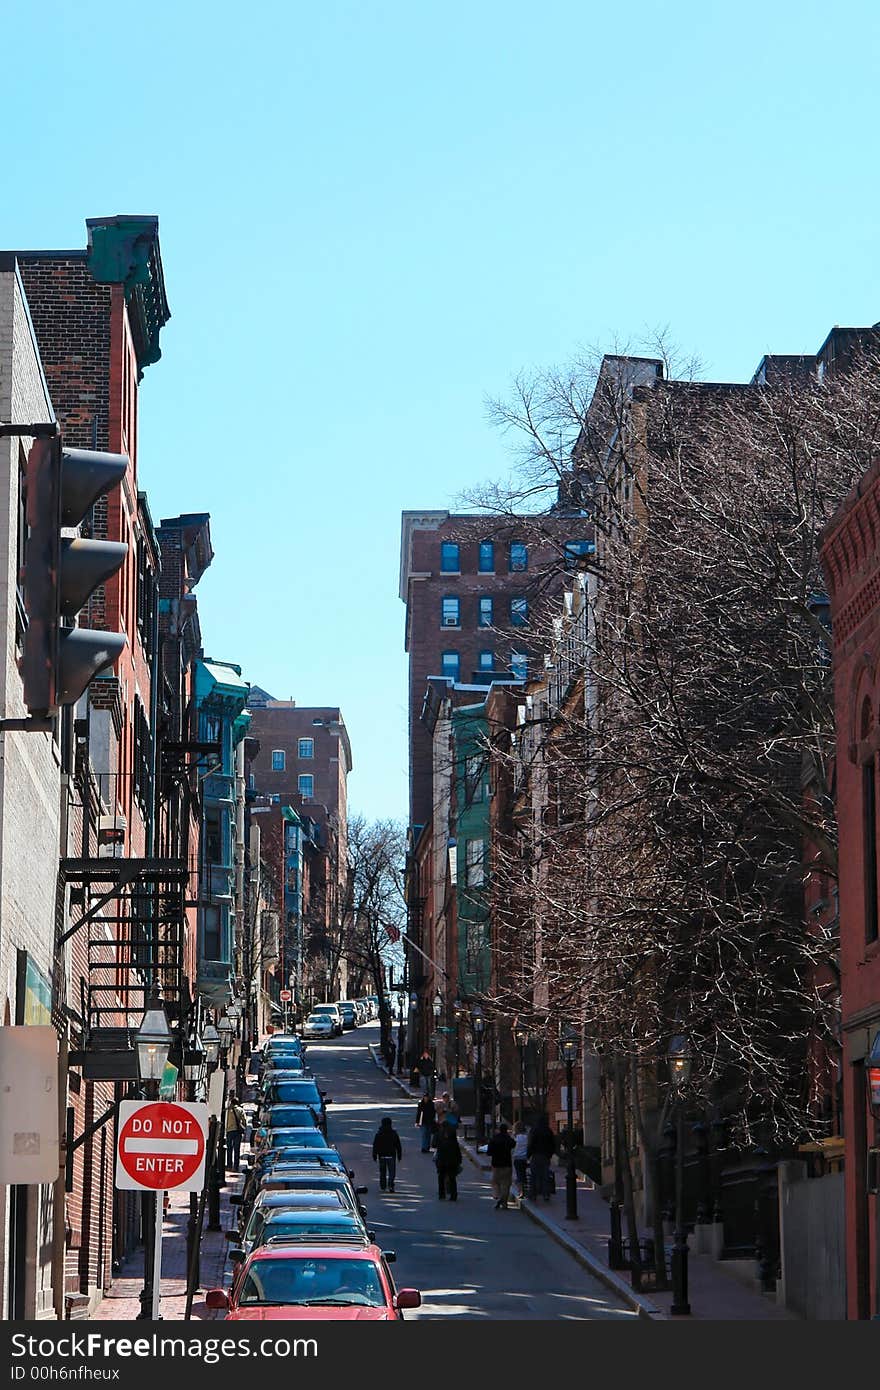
(303, 1247)
(331, 1020)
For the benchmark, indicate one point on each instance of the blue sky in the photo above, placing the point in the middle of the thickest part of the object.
(373, 215)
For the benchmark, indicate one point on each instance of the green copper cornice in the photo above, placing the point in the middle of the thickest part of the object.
(125, 251)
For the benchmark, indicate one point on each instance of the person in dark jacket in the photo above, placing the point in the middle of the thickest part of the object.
(540, 1149)
(499, 1148)
(448, 1161)
(426, 1117)
(388, 1149)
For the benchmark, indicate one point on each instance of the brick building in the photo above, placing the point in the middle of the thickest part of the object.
(472, 586)
(301, 759)
(97, 314)
(30, 807)
(851, 562)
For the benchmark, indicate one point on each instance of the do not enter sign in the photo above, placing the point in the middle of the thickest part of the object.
(161, 1146)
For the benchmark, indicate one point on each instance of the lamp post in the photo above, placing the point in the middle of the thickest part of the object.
(152, 1044)
(568, 1051)
(193, 1066)
(458, 1013)
(679, 1058)
(521, 1038)
(478, 1024)
(437, 1009)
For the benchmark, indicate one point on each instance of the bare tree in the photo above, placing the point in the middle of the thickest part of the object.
(374, 912)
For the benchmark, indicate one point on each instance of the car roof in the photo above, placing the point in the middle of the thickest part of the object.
(317, 1251)
(288, 1200)
(334, 1215)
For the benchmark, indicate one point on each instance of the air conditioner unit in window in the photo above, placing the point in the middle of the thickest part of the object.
(450, 622)
(111, 837)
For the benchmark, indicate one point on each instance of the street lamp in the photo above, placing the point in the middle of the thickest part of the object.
(521, 1038)
(153, 1041)
(568, 1052)
(226, 1029)
(152, 1044)
(478, 1023)
(437, 1008)
(211, 1044)
(458, 1013)
(679, 1058)
(193, 1070)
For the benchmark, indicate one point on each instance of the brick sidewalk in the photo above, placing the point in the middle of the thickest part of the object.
(714, 1293)
(123, 1300)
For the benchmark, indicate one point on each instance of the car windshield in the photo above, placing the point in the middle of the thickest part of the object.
(308, 1281)
(291, 1117)
(293, 1201)
(315, 1229)
(305, 1091)
(296, 1139)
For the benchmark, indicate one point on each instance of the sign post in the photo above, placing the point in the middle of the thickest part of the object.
(161, 1148)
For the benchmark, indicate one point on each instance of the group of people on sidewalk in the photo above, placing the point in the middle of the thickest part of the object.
(512, 1154)
(438, 1120)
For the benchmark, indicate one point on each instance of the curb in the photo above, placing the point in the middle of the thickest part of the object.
(641, 1305)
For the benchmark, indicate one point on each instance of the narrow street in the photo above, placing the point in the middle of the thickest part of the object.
(467, 1259)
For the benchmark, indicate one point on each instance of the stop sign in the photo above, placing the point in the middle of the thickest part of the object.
(161, 1146)
(285, 996)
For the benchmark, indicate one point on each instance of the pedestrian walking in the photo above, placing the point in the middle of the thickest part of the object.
(447, 1110)
(448, 1161)
(390, 1054)
(236, 1123)
(520, 1158)
(426, 1072)
(500, 1148)
(388, 1151)
(540, 1149)
(401, 1047)
(426, 1120)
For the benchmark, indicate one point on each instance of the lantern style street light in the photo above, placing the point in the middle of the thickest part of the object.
(153, 1042)
(478, 1024)
(458, 1012)
(211, 1044)
(521, 1038)
(569, 1039)
(226, 1029)
(193, 1067)
(679, 1058)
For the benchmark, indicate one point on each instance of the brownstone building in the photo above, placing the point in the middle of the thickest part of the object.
(472, 586)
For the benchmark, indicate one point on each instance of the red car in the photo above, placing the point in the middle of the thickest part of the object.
(317, 1282)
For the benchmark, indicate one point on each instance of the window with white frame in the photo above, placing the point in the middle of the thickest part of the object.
(278, 760)
(450, 611)
(305, 748)
(450, 665)
(486, 609)
(487, 661)
(474, 779)
(519, 612)
(475, 858)
(306, 784)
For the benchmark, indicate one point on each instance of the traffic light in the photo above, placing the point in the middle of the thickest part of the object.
(61, 572)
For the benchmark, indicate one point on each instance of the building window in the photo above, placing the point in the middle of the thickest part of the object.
(278, 760)
(576, 550)
(474, 780)
(519, 665)
(213, 934)
(519, 557)
(487, 557)
(305, 748)
(486, 609)
(450, 611)
(869, 822)
(487, 661)
(252, 782)
(213, 837)
(450, 665)
(519, 612)
(475, 852)
(306, 784)
(449, 558)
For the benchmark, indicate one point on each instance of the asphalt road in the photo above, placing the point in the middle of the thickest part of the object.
(467, 1259)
